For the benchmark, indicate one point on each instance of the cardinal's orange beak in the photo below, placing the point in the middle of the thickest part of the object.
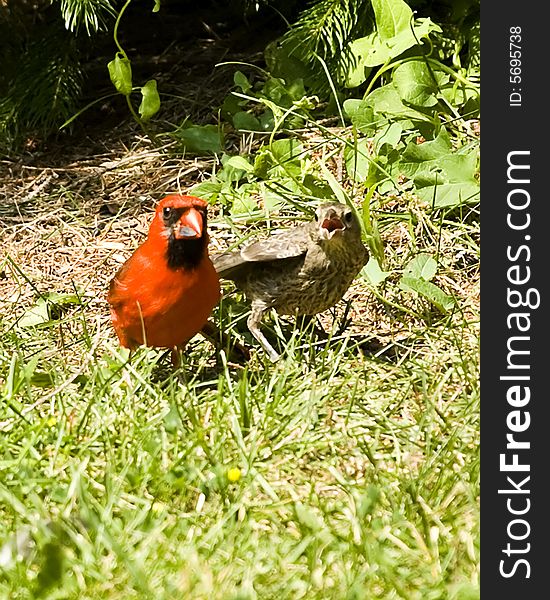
(190, 225)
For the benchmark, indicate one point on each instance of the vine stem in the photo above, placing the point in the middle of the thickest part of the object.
(115, 31)
(133, 112)
(390, 65)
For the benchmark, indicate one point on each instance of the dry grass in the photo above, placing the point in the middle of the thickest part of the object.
(70, 228)
(357, 469)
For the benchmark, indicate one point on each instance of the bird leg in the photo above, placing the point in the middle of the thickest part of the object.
(175, 356)
(310, 321)
(253, 322)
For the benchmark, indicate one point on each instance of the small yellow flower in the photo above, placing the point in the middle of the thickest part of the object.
(51, 421)
(234, 474)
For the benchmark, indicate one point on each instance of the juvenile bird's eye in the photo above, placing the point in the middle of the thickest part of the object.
(166, 212)
(348, 217)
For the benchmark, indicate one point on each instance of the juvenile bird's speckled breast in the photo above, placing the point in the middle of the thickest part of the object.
(305, 285)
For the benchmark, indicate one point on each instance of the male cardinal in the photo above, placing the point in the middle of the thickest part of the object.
(302, 271)
(164, 293)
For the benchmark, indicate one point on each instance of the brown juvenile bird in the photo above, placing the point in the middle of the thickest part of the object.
(302, 271)
(164, 293)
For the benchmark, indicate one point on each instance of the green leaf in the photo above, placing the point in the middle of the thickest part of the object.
(449, 195)
(239, 162)
(391, 135)
(241, 81)
(273, 200)
(369, 51)
(287, 149)
(442, 177)
(392, 17)
(317, 188)
(358, 71)
(201, 138)
(150, 101)
(207, 190)
(422, 266)
(285, 158)
(276, 91)
(361, 115)
(458, 96)
(428, 290)
(267, 120)
(373, 273)
(386, 100)
(421, 157)
(297, 92)
(262, 162)
(120, 72)
(156, 7)
(62, 299)
(231, 105)
(48, 308)
(460, 166)
(244, 201)
(374, 50)
(42, 379)
(358, 161)
(281, 61)
(376, 175)
(245, 121)
(234, 168)
(35, 315)
(418, 84)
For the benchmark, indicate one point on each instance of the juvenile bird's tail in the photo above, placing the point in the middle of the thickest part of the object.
(228, 264)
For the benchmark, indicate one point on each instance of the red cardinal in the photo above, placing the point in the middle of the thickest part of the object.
(164, 293)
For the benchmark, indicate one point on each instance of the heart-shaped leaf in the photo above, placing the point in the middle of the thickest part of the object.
(373, 273)
(428, 290)
(361, 115)
(422, 266)
(150, 101)
(120, 72)
(386, 100)
(418, 84)
(375, 49)
(392, 17)
(201, 138)
(245, 121)
(448, 195)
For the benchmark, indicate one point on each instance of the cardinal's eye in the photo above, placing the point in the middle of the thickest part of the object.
(166, 212)
(348, 217)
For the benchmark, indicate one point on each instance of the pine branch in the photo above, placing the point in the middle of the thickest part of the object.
(44, 91)
(325, 29)
(91, 14)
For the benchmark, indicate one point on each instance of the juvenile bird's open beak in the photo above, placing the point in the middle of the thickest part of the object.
(189, 227)
(330, 225)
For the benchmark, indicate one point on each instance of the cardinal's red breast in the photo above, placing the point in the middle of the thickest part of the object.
(163, 295)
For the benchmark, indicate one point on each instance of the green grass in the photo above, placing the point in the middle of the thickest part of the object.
(359, 473)
(347, 470)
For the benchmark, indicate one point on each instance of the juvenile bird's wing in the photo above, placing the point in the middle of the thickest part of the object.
(279, 246)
